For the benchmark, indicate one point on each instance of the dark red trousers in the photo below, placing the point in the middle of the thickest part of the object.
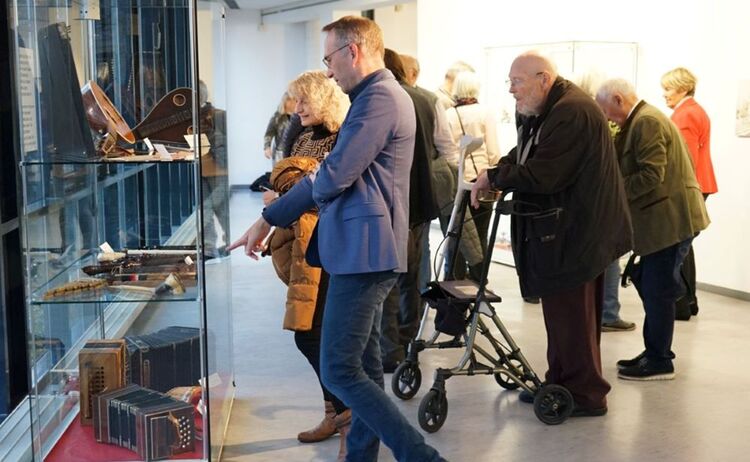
(573, 320)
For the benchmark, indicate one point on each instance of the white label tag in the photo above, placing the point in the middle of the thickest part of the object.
(106, 248)
(162, 150)
(149, 145)
(204, 141)
(188, 260)
(205, 144)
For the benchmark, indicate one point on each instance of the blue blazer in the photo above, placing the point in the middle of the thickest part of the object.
(362, 187)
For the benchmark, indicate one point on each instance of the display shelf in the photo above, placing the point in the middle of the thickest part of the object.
(160, 318)
(78, 443)
(115, 295)
(128, 160)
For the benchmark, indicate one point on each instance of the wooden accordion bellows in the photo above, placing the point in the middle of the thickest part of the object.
(102, 365)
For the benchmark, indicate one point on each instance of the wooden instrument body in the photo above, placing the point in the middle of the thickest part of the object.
(102, 114)
(170, 119)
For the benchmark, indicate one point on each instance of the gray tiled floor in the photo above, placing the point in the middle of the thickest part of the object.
(700, 416)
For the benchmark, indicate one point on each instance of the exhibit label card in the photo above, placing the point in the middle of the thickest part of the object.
(28, 99)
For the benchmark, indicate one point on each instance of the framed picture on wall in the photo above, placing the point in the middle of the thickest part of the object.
(742, 126)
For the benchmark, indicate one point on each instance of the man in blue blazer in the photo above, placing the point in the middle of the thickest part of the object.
(362, 191)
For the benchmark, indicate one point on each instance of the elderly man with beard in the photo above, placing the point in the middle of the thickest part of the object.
(564, 166)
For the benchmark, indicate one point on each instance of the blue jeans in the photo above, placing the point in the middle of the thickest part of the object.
(611, 307)
(352, 370)
(659, 284)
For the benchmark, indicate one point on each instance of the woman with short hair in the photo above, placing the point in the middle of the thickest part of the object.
(695, 126)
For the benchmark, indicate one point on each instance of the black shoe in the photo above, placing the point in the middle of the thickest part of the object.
(630, 362)
(526, 397)
(682, 316)
(647, 370)
(587, 412)
(390, 366)
(694, 309)
(532, 300)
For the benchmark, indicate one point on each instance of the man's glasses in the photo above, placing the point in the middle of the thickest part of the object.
(517, 81)
(327, 58)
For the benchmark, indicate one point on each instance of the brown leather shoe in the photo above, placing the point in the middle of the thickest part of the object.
(343, 423)
(324, 430)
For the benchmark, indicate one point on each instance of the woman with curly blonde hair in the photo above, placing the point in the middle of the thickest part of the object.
(321, 107)
(325, 101)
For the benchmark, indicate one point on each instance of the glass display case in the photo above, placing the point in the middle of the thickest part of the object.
(124, 219)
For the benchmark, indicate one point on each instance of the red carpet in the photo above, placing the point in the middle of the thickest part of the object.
(78, 444)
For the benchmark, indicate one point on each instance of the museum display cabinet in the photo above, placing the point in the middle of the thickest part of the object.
(123, 212)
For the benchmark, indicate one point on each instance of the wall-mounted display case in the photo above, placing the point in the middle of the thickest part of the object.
(124, 221)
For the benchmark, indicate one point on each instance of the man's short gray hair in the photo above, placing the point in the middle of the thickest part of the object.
(458, 66)
(612, 86)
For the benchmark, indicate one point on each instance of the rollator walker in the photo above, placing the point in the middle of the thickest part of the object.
(462, 309)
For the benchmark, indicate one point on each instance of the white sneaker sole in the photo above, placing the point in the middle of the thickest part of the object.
(648, 378)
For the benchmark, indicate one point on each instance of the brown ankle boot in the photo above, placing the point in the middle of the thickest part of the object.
(343, 422)
(324, 430)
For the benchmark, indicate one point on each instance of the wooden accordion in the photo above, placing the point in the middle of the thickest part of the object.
(162, 360)
(102, 365)
(154, 425)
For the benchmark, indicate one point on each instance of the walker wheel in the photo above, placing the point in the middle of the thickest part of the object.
(553, 404)
(433, 410)
(406, 380)
(504, 381)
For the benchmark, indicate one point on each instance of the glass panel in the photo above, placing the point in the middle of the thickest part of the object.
(215, 217)
(113, 223)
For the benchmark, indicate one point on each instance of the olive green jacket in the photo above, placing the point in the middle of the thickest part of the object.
(666, 204)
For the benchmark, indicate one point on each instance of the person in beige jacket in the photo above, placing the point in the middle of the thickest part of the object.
(667, 210)
(472, 119)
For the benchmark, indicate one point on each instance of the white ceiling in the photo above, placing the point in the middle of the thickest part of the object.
(262, 4)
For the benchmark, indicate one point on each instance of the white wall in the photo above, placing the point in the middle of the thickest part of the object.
(261, 60)
(713, 43)
(212, 50)
(399, 25)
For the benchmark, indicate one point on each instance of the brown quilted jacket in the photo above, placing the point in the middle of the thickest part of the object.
(288, 246)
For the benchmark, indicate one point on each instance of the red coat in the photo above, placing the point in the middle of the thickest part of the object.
(695, 127)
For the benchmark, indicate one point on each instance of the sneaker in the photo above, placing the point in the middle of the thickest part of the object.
(630, 362)
(647, 370)
(618, 326)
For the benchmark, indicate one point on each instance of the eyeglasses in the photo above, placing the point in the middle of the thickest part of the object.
(327, 58)
(516, 81)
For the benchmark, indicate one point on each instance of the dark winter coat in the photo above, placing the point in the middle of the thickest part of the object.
(571, 173)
